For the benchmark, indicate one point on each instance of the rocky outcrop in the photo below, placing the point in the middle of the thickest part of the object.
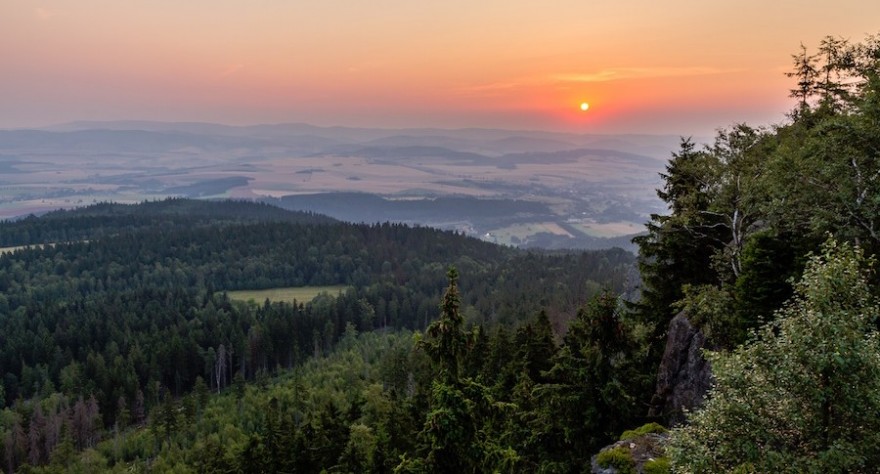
(635, 452)
(684, 375)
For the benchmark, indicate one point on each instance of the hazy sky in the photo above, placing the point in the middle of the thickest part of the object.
(678, 66)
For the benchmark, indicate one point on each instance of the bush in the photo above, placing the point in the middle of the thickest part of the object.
(618, 458)
(769, 410)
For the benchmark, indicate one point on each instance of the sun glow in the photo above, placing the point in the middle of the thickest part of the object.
(584, 106)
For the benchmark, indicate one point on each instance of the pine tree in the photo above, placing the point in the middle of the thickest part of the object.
(449, 437)
(446, 340)
(678, 248)
(590, 396)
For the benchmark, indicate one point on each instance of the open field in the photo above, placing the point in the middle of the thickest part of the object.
(301, 294)
(516, 234)
(4, 250)
(607, 229)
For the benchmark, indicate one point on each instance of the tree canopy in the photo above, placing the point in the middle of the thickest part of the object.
(804, 394)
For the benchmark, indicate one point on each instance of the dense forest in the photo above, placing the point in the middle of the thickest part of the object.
(127, 306)
(122, 352)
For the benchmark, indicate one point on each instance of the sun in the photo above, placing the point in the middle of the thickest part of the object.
(585, 106)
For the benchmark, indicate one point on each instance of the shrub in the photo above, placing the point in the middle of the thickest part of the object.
(618, 458)
(803, 395)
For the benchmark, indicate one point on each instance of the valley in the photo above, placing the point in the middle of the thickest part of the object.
(518, 188)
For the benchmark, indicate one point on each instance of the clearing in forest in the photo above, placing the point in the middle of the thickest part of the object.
(302, 294)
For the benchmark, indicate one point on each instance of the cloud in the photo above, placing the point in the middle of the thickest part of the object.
(616, 74)
(564, 80)
(493, 88)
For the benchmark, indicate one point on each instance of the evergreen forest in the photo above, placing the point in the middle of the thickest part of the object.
(122, 351)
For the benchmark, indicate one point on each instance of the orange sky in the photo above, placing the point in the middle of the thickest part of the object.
(680, 66)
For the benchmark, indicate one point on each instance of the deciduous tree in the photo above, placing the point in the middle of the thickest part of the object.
(804, 394)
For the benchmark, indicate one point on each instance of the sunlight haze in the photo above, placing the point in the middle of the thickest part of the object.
(681, 67)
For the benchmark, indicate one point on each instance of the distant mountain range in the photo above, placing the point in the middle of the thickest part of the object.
(494, 140)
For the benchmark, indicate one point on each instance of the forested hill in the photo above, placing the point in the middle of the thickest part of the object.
(110, 218)
(129, 305)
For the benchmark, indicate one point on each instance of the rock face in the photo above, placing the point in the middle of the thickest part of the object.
(684, 375)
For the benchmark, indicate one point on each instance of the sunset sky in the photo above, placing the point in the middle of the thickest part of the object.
(682, 67)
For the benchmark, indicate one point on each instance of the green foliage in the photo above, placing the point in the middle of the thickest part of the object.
(769, 262)
(330, 413)
(713, 310)
(594, 389)
(535, 348)
(137, 309)
(745, 209)
(678, 249)
(459, 432)
(619, 458)
(657, 466)
(106, 219)
(447, 341)
(449, 431)
(652, 427)
(804, 394)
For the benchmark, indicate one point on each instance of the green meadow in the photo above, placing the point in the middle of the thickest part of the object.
(302, 294)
